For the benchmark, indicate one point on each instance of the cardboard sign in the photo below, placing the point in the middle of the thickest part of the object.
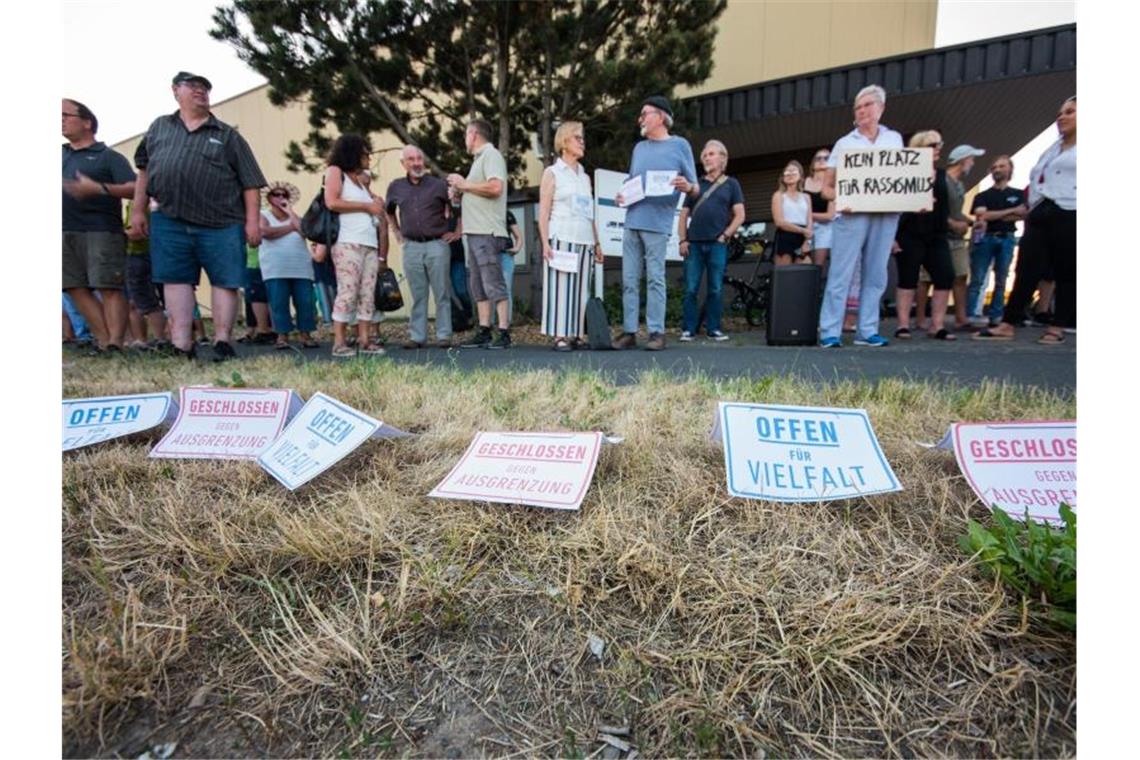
(226, 423)
(611, 217)
(801, 453)
(1020, 466)
(550, 470)
(94, 420)
(324, 432)
(885, 179)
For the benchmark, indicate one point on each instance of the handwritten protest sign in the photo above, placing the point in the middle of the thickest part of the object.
(885, 179)
(324, 432)
(1020, 466)
(801, 453)
(611, 217)
(226, 423)
(94, 420)
(540, 469)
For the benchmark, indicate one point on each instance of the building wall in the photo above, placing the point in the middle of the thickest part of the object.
(759, 41)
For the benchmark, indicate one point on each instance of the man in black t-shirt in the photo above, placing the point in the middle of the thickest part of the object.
(999, 207)
(95, 180)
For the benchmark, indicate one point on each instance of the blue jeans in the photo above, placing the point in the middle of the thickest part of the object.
(636, 246)
(860, 241)
(507, 261)
(711, 258)
(78, 323)
(996, 251)
(280, 290)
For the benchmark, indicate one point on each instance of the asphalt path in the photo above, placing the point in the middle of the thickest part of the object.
(963, 362)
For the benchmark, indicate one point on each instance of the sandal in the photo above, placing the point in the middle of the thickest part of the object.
(1051, 339)
(903, 333)
(310, 343)
(562, 345)
(281, 345)
(373, 349)
(343, 352)
(988, 334)
(942, 334)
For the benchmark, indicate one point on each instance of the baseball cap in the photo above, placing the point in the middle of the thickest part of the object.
(961, 152)
(186, 76)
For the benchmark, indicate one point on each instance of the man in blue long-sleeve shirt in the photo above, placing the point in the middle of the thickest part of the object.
(650, 220)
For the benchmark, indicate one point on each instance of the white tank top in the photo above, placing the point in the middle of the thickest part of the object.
(796, 210)
(356, 226)
(571, 214)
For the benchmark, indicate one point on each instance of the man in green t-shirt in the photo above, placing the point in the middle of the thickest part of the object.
(484, 204)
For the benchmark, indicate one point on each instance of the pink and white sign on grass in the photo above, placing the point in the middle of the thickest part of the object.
(1021, 467)
(551, 470)
(227, 423)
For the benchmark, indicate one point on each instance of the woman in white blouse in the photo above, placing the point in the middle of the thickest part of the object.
(569, 240)
(1050, 236)
(791, 211)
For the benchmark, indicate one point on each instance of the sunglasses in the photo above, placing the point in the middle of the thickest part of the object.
(278, 195)
(821, 157)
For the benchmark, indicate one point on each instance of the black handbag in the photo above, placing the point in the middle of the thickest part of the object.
(388, 296)
(319, 224)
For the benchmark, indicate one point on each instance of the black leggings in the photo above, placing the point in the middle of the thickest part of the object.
(932, 253)
(1049, 246)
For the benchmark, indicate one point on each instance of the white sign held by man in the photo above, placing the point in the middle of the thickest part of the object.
(801, 453)
(94, 420)
(1020, 467)
(324, 432)
(227, 423)
(550, 470)
(885, 180)
(610, 217)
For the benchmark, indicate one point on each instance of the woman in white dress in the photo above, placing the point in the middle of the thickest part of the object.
(569, 240)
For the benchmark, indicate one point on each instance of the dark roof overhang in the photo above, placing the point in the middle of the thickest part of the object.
(996, 94)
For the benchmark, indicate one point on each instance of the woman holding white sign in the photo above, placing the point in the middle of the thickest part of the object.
(861, 240)
(569, 236)
(923, 243)
(791, 211)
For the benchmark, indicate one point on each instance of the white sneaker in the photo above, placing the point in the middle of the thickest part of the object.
(717, 335)
(686, 336)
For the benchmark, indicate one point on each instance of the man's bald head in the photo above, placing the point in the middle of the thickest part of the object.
(412, 159)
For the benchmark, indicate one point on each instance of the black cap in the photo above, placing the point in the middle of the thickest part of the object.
(186, 76)
(660, 103)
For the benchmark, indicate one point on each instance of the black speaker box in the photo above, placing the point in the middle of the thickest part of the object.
(793, 305)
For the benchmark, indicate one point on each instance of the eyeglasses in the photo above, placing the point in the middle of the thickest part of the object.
(647, 112)
(935, 145)
(75, 115)
(195, 86)
(579, 138)
(821, 158)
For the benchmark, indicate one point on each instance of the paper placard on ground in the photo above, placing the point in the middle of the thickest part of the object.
(885, 179)
(610, 217)
(1020, 466)
(324, 432)
(550, 470)
(94, 420)
(226, 423)
(801, 453)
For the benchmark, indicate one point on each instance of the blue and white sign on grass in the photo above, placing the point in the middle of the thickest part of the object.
(801, 453)
(324, 432)
(94, 420)
(226, 423)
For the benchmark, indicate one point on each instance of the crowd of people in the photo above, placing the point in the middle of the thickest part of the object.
(199, 202)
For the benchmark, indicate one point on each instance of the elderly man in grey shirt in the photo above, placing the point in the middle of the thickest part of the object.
(418, 210)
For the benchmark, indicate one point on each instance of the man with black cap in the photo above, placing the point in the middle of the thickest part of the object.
(205, 182)
(651, 219)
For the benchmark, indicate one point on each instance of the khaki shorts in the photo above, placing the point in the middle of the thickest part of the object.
(94, 260)
(959, 257)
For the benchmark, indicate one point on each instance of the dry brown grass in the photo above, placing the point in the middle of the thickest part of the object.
(204, 604)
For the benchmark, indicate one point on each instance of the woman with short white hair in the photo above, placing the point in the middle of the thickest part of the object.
(869, 235)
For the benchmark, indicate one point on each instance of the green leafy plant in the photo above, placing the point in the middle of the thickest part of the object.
(1038, 561)
(235, 381)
